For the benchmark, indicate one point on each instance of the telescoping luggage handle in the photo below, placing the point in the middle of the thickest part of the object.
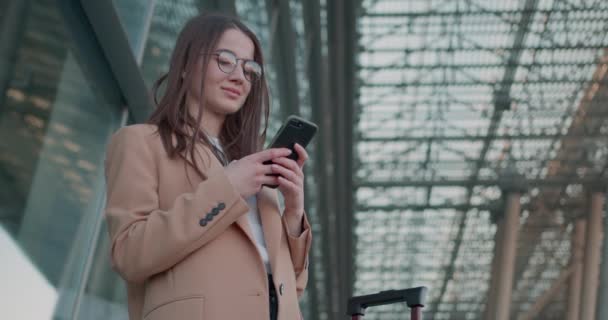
(414, 297)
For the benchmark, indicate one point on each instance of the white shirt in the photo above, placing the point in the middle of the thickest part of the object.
(253, 216)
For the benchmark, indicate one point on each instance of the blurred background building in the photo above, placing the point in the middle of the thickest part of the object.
(463, 146)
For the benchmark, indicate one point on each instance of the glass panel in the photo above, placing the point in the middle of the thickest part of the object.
(134, 16)
(54, 129)
(167, 20)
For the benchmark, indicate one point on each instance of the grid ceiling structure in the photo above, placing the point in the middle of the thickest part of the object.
(458, 98)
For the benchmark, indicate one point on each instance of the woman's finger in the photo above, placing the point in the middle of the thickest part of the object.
(270, 154)
(289, 164)
(287, 186)
(269, 180)
(264, 169)
(302, 155)
(286, 173)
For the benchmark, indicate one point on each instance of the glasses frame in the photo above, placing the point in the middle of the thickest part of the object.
(219, 52)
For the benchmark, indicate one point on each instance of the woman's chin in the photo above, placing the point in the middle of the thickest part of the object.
(230, 109)
(225, 107)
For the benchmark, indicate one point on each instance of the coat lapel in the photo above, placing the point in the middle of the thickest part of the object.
(270, 215)
(243, 223)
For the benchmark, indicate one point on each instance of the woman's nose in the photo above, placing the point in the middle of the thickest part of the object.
(238, 74)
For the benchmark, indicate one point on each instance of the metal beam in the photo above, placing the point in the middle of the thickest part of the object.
(282, 44)
(479, 12)
(422, 207)
(472, 65)
(592, 256)
(602, 306)
(458, 207)
(319, 301)
(468, 83)
(464, 163)
(109, 43)
(494, 49)
(547, 182)
(508, 243)
(576, 262)
(490, 301)
(532, 136)
(342, 50)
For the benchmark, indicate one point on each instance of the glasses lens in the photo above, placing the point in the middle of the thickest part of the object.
(226, 61)
(252, 70)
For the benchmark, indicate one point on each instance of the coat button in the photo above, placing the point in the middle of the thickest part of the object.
(215, 211)
(221, 206)
(281, 287)
(203, 222)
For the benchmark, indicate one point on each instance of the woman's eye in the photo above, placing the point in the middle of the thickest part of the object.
(225, 62)
(251, 70)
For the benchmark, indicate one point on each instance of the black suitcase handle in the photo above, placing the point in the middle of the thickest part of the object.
(414, 297)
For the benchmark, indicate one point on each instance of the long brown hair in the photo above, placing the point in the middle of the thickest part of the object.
(241, 133)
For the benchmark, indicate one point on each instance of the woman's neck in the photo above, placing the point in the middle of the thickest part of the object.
(211, 122)
(211, 125)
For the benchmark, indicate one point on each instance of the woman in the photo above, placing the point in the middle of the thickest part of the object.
(194, 233)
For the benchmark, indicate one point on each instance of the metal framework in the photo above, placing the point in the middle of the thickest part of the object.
(457, 99)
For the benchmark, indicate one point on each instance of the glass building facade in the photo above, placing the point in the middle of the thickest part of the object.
(55, 121)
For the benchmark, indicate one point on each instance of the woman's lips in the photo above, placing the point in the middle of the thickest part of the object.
(232, 93)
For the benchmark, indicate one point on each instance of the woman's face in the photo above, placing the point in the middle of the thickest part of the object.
(225, 93)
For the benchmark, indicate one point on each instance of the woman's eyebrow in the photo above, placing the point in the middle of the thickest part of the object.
(224, 49)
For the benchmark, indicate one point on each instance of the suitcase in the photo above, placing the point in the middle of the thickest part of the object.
(414, 297)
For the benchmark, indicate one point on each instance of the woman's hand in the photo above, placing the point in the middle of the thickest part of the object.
(291, 184)
(248, 174)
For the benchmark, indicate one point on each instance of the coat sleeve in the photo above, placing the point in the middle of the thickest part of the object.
(299, 248)
(145, 239)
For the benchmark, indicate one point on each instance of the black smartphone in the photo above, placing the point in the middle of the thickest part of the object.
(294, 130)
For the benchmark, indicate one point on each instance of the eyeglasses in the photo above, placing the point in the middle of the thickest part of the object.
(227, 62)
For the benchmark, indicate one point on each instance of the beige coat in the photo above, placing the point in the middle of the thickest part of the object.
(179, 266)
